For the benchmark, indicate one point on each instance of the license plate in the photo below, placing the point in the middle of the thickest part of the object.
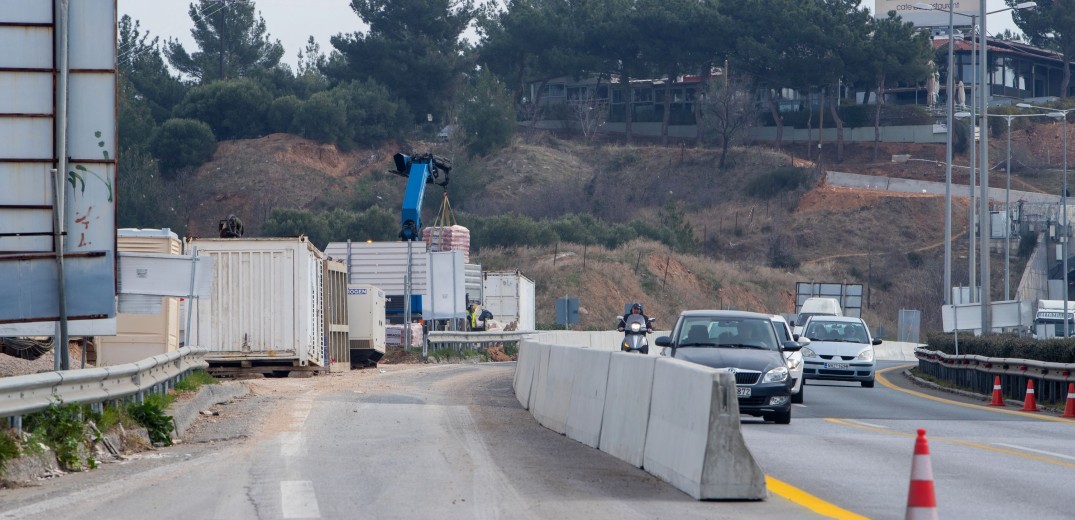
(742, 391)
(837, 365)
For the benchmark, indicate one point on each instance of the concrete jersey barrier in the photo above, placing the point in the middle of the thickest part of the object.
(555, 395)
(587, 405)
(627, 401)
(694, 441)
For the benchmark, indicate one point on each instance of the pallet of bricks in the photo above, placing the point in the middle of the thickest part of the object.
(393, 335)
(448, 238)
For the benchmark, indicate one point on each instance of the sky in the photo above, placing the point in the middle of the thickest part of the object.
(293, 21)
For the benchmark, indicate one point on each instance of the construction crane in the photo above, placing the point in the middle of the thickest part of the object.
(419, 170)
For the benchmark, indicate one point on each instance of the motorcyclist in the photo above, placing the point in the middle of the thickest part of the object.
(636, 308)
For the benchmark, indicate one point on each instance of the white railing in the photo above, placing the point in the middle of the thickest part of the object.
(20, 395)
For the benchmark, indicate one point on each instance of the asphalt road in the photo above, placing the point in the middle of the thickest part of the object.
(451, 442)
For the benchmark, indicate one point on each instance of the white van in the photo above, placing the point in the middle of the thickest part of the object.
(816, 306)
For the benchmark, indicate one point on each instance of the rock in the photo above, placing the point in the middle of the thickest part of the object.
(28, 468)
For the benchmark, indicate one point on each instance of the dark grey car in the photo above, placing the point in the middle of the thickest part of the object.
(745, 344)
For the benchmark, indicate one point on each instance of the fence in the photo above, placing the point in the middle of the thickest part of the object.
(976, 374)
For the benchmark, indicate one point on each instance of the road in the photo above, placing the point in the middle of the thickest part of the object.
(451, 441)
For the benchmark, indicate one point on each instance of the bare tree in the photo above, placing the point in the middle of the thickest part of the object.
(590, 114)
(728, 111)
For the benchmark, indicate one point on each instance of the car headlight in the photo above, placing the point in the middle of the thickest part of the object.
(776, 375)
(808, 352)
(865, 355)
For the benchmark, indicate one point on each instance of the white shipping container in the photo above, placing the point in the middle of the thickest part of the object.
(511, 298)
(384, 264)
(266, 301)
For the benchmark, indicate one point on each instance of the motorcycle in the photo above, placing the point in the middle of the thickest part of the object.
(635, 329)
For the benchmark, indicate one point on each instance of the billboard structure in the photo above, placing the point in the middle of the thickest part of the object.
(58, 116)
(936, 17)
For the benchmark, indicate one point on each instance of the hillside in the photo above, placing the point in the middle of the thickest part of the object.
(890, 242)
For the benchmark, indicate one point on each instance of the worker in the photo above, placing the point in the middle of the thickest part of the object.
(473, 313)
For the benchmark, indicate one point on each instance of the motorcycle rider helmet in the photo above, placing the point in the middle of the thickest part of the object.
(637, 306)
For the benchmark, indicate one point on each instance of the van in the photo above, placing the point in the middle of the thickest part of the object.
(816, 306)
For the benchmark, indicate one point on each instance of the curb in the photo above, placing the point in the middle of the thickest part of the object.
(185, 412)
(972, 395)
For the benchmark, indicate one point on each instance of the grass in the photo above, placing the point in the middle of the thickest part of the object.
(9, 448)
(195, 380)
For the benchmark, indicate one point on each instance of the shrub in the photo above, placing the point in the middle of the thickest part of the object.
(915, 259)
(181, 143)
(769, 185)
(150, 413)
(9, 448)
(234, 109)
(63, 428)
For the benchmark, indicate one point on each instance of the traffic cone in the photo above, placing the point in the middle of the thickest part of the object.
(1069, 408)
(1031, 403)
(998, 398)
(921, 501)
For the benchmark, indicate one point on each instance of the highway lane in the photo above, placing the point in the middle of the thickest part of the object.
(853, 447)
(445, 442)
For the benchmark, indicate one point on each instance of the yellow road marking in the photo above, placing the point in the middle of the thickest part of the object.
(1029, 415)
(815, 504)
(987, 447)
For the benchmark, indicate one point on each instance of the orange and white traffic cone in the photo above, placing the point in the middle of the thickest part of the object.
(1069, 407)
(921, 500)
(1031, 403)
(998, 398)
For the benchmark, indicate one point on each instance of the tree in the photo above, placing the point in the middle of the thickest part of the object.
(232, 42)
(1051, 25)
(413, 47)
(901, 54)
(234, 109)
(182, 143)
(728, 109)
(144, 76)
(488, 117)
(612, 37)
(590, 114)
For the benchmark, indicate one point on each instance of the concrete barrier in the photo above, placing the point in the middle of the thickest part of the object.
(693, 440)
(625, 417)
(895, 351)
(588, 396)
(537, 388)
(555, 396)
(525, 369)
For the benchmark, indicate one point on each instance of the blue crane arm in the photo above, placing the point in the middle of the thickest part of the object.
(420, 170)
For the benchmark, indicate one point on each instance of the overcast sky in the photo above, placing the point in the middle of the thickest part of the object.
(293, 21)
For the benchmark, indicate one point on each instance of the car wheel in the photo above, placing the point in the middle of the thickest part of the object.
(779, 417)
(867, 384)
(798, 398)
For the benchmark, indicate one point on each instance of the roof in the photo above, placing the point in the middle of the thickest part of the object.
(725, 314)
(838, 319)
(1007, 47)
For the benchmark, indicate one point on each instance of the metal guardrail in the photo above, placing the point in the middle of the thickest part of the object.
(475, 337)
(978, 372)
(20, 395)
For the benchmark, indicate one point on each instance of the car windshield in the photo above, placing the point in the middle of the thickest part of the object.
(851, 332)
(726, 332)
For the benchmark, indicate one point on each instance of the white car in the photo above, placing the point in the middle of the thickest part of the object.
(841, 349)
(794, 359)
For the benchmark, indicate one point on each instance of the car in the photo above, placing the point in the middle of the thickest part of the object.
(841, 349)
(745, 344)
(794, 358)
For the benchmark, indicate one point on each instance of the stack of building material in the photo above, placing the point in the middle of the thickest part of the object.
(393, 335)
(448, 238)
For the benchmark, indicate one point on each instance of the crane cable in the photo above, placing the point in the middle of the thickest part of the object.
(445, 218)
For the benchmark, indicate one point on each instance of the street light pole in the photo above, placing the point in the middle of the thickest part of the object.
(1007, 210)
(972, 208)
(948, 165)
(984, 219)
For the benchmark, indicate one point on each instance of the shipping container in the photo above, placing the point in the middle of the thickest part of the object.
(334, 284)
(511, 298)
(365, 319)
(385, 265)
(266, 303)
(438, 279)
(146, 325)
(473, 282)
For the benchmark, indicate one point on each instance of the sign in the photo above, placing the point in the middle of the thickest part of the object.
(29, 151)
(936, 17)
(567, 310)
(159, 274)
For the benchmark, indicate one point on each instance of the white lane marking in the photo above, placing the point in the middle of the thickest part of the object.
(863, 423)
(298, 500)
(1032, 450)
(799, 405)
(292, 444)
